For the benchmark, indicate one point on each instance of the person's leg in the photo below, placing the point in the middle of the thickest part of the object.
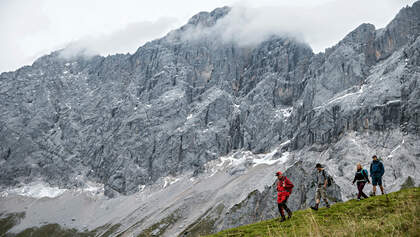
(317, 199)
(362, 185)
(280, 201)
(324, 196)
(280, 206)
(359, 186)
(380, 185)
(374, 183)
(289, 212)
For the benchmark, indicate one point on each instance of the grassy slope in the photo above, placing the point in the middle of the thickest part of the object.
(395, 214)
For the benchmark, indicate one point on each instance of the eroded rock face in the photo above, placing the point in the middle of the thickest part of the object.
(126, 120)
(180, 102)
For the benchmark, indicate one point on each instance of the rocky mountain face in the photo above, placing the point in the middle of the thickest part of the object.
(180, 103)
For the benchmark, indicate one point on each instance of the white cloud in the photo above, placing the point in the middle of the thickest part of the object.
(32, 28)
(320, 25)
(124, 40)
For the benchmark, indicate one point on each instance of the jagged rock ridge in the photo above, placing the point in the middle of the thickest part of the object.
(179, 103)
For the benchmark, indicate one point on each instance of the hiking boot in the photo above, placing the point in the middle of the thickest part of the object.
(289, 213)
(328, 205)
(372, 195)
(315, 208)
(282, 219)
(358, 199)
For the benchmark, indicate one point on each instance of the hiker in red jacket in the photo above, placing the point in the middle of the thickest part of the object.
(284, 189)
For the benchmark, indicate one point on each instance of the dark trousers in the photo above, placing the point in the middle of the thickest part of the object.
(360, 186)
(282, 206)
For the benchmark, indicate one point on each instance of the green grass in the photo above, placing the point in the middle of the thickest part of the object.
(162, 225)
(204, 224)
(395, 214)
(51, 230)
(7, 221)
(55, 230)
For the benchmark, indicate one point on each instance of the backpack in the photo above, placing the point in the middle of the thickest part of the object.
(329, 179)
(289, 190)
(375, 167)
(365, 174)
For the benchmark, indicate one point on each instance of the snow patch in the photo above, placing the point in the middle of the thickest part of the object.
(359, 92)
(159, 74)
(393, 102)
(285, 113)
(247, 159)
(391, 154)
(285, 143)
(269, 159)
(232, 161)
(168, 180)
(38, 190)
(4, 194)
(41, 190)
(347, 95)
(142, 187)
(93, 188)
(172, 95)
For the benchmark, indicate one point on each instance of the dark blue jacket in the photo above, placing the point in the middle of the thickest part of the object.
(376, 169)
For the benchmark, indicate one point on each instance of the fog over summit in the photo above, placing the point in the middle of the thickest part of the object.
(32, 28)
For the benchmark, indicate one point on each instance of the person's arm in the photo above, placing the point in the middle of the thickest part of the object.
(382, 169)
(325, 179)
(354, 180)
(370, 170)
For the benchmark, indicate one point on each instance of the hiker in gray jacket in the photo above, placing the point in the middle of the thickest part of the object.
(321, 182)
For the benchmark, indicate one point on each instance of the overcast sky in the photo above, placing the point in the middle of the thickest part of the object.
(32, 28)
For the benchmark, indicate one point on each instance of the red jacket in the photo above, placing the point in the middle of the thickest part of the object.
(286, 189)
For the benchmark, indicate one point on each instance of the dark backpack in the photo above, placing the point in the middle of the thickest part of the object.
(329, 179)
(376, 167)
(365, 173)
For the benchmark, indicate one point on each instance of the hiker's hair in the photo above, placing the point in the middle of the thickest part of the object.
(358, 164)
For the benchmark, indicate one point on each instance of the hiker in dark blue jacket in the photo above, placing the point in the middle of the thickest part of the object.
(361, 178)
(376, 172)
